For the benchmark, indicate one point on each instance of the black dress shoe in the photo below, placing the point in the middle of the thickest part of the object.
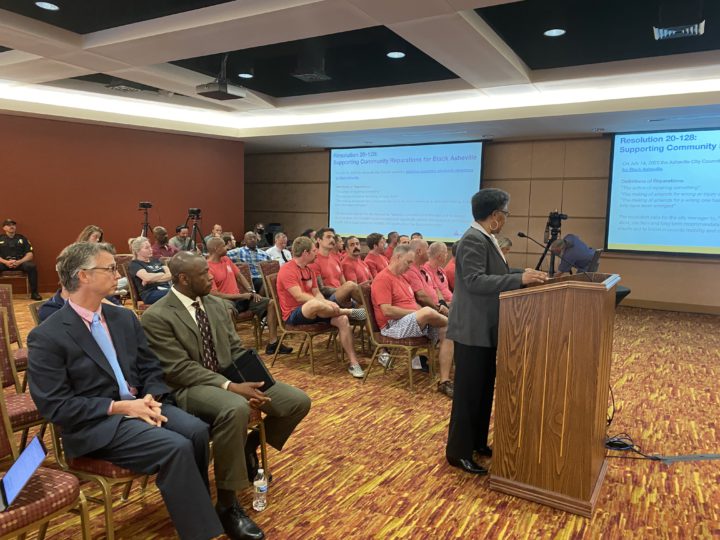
(36, 296)
(237, 525)
(467, 465)
(270, 349)
(485, 451)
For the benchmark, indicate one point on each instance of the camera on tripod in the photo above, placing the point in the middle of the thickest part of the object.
(144, 205)
(194, 213)
(555, 220)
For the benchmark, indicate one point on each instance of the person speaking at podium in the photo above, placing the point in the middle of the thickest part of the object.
(481, 274)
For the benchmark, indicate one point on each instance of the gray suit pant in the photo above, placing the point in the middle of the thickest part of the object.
(228, 414)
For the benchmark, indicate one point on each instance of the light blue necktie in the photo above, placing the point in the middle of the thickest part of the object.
(103, 340)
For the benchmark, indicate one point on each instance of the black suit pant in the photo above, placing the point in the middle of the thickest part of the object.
(178, 453)
(472, 400)
(30, 269)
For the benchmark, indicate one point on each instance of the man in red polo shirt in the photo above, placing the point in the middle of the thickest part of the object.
(227, 281)
(450, 268)
(397, 313)
(353, 267)
(375, 259)
(327, 268)
(437, 255)
(302, 303)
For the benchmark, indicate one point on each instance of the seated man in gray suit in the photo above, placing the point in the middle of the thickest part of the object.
(93, 375)
(193, 336)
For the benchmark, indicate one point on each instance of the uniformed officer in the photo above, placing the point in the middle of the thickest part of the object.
(16, 253)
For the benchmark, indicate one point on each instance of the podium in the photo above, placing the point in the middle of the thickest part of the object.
(553, 371)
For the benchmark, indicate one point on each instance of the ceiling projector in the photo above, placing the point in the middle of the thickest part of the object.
(220, 90)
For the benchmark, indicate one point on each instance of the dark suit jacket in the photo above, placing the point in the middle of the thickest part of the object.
(175, 338)
(72, 383)
(481, 275)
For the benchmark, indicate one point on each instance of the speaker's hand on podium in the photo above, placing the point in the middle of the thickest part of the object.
(530, 276)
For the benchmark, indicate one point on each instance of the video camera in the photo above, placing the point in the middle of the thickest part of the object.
(555, 219)
(194, 213)
(144, 205)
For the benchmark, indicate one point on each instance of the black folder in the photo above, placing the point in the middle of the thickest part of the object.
(249, 367)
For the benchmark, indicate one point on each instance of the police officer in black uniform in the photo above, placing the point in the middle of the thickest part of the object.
(16, 253)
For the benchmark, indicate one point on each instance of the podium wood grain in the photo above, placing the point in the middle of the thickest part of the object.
(553, 369)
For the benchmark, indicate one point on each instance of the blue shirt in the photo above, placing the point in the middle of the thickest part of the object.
(249, 256)
(576, 253)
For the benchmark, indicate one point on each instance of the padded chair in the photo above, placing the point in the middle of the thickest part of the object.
(248, 316)
(22, 412)
(307, 331)
(34, 308)
(268, 267)
(20, 355)
(137, 303)
(10, 275)
(103, 473)
(49, 494)
(398, 348)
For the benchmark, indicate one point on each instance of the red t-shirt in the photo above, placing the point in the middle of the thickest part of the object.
(289, 276)
(421, 280)
(328, 268)
(376, 263)
(356, 270)
(224, 275)
(388, 252)
(440, 280)
(450, 273)
(387, 288)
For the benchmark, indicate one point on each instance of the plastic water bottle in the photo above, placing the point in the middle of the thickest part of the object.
(260, 495)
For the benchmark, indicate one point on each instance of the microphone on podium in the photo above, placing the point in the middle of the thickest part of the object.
(583, 272)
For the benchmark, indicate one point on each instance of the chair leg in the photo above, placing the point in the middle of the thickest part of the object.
(263, 449)
(126, 491)
(410, 370)
(312, 356)
(43, 530)
(372, 362)
(277, 349)
(24, 438)
(144, 483)
(84, 517)
(107, 502)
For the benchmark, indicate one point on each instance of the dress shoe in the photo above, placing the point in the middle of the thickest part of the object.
(484, 451)
(237, 525)
(270, 349)
(36, 296)
(467, 465)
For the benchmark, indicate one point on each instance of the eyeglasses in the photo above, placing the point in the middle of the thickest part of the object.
(112, 268)
(507, 214)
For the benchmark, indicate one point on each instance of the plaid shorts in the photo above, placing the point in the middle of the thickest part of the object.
(408, 327)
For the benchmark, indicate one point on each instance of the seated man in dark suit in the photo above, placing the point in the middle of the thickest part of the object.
(93, 375)
(192, 334)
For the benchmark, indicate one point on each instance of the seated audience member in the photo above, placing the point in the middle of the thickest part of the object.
(403, 240)
(310, 233)
(216, 232)
(161, 247)
(416, 235)
(227, 281)
(397, 313)
(259, 229)
(450, 267)
(392, 241)
(331, 280)
(91, 233)
(251, 255)
(182, 241)
(229, 239)
(338, 250)
(16, 253)
(151, 277)
(353, 267)
(279, 251)
(375, 259)
(93, 375)
(437, 255)
(505, 244)
(175, 327)
(302, 303)
(575, 254)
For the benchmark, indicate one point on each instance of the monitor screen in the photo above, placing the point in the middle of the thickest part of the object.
(665, 193)
(422, 188)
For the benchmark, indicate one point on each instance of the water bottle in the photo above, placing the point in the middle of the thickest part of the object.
(260, 495)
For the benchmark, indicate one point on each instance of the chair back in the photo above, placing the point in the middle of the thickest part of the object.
(268, 267)
(34, 308)
(245, 271)
(594, 262)
(370, 321)
(8, 374)
(123, 258)
(132, 289)
(6, 301)
(271, 283)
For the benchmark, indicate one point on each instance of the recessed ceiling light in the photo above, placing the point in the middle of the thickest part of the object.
(47, 5)
(396, 55)
(246, 75)
(554, 32)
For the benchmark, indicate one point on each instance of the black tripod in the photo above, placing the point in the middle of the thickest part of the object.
(145, 223)
(554, 234)
(195, 233)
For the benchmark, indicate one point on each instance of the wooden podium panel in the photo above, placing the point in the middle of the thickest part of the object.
(553, 371)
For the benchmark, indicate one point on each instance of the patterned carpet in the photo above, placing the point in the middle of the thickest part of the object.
(368, 461)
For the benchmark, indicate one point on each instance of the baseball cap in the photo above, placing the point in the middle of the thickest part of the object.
(9, 221)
